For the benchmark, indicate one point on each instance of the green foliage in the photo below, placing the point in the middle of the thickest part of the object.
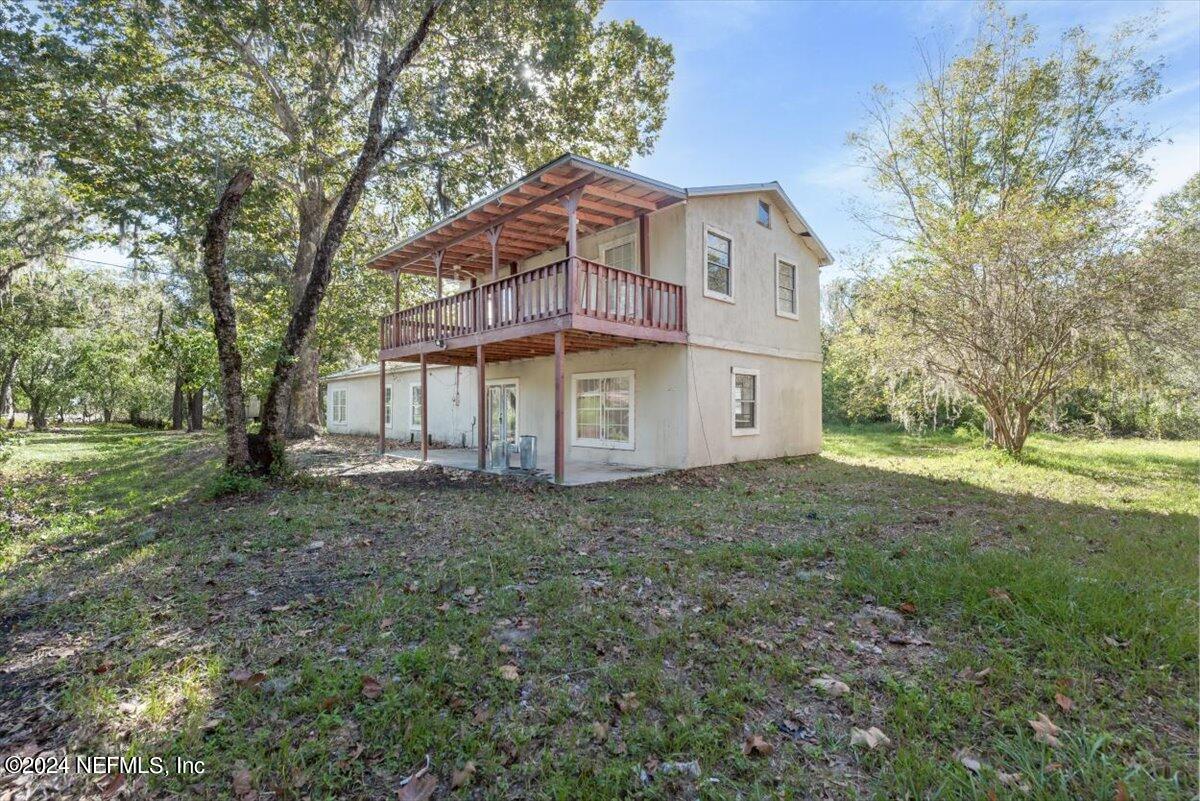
(232, 482)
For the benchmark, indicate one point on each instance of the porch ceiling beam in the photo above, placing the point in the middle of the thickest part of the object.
(539, 202)
(605, 220)
(607, 194)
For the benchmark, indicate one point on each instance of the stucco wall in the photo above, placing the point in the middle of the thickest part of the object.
(660, 429)
(789, 407)
(751, 319)
(451, 404)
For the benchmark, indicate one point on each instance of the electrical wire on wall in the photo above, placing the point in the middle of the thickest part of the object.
(696, 395)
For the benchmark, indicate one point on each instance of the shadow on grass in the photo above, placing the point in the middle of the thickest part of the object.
(1090, 593)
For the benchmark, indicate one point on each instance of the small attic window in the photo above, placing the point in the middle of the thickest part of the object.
(764, 214)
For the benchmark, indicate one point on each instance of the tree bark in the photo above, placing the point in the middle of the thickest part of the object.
(268, 444)
(220, 298)
(303, 414)
(107, 415)
(177, 403)
(196, 410)
(6, 384)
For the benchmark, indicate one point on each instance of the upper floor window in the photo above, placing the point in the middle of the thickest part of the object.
(619, 254)
(764, 213)
(337, 405)
(718, 264)
(785, 289)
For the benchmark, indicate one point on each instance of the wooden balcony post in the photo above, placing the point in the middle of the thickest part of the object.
(560, 445)
(437, 311)
(482, 411)
(396, 292)
(570, 202)
(382, 406)
(424, 409)
(493, 235)
(644, 243)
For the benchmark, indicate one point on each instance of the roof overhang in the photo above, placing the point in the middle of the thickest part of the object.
(794, 219)
(532, 217)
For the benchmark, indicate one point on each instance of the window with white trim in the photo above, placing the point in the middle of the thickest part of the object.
(337, 405)
(718, 264)
(785, 289)
(764, 214)
(602, 409)
(620, 254)
(387, 406)
(745, 397)
(414, 406)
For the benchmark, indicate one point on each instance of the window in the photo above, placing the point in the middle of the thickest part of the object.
(619, 254)
(785, 289)
(764, 214)
(414, 406)
(718, 264)
(745, 401)
(337, 405)
(602, 412)
(387, 406)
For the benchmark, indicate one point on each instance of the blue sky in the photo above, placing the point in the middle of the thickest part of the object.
(768, 90)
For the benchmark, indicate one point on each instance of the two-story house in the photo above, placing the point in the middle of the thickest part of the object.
(620, 320)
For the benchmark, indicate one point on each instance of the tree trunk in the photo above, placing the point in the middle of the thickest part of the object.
(107, 415)
(177, 403)
(220, 298)
(303, 415)
(196, 411)
(6, 384)
(37, 413)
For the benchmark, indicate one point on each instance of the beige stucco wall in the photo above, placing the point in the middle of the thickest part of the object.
(789, 407)
(751, 319)
(660, 429)
(451, 404)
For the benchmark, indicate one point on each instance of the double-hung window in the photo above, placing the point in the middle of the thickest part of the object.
(414, 407)
(619, 254)
(718, 264)
(337, 403)
(602, 410)
(785, 289)
(387, 406)
(744, 386)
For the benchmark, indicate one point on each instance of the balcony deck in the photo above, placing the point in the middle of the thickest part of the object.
(594, 305)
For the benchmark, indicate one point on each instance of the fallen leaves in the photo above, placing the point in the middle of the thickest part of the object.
(599, 731)
(1000, 594)
(419, 788)
(830, 686)
(510, 672)
(243, 785)
(1065, 703)
(907, 608)
(1044, 731)
(626, 702)
(972, 676)
(756, 746)
(371, 688)
(463, 776)
(247, 678)
(872, 738)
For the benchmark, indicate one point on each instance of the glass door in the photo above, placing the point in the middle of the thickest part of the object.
(502, 411)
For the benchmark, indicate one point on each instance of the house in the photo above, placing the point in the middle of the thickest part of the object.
(627, 324)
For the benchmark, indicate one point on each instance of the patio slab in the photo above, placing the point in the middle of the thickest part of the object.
(578, 472)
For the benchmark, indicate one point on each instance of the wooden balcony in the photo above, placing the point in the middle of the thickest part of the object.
(594, 305)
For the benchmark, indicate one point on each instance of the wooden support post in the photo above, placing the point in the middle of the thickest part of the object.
(424, 409)
(396, 292)
(570, 202)
(382, 406)
(481, 396)
(644, 243)
(493, 235)
(560, 445)
(437, 314)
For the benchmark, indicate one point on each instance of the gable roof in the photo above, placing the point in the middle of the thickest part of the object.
(794, 219)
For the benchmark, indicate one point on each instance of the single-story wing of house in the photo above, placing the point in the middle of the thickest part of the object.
(624, 323)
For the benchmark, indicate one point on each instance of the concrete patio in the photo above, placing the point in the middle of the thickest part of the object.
(577, 472)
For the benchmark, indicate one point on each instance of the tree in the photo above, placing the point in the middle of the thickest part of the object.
(1010, 179)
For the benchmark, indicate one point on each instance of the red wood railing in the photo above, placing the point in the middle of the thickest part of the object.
(571, 286)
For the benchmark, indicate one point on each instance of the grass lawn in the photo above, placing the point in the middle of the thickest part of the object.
(325, 637)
